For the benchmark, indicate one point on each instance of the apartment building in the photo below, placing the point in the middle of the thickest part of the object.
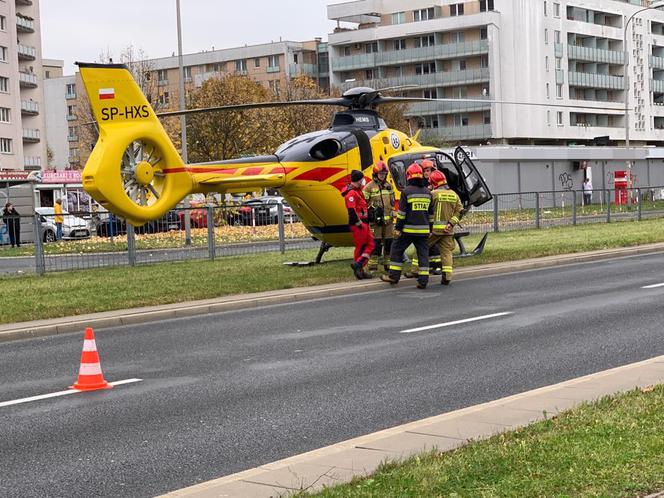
(566, 56)
(62, 128)
(21, 92)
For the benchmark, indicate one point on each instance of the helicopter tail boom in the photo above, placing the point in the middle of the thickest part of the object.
(126, 170)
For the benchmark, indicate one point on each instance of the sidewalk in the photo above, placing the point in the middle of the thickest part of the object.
(361, 456)
(39, 328)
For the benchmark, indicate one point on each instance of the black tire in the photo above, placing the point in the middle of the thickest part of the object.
(49, 236)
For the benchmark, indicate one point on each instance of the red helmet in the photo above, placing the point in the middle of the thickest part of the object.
(380, 167)
(437, 179)
(414, 171)
(426, 164)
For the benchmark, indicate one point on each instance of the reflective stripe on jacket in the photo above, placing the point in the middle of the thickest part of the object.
(415, 211)
(446, 209)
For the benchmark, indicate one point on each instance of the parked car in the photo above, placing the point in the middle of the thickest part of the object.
(197, 215)
(265, 211)
(73, 227)
(113, 225)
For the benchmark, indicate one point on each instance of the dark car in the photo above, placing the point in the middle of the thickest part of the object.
(264, 211)
(117, 226)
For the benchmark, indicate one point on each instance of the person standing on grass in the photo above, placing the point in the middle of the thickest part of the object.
(587, 192)
(58, 219)
(12, 219)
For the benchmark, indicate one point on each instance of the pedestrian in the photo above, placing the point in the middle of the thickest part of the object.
(379, 195)
(12, 219)
(447, 209)
(587, 192)
(358, 222)
(58, 219)
(412, 227)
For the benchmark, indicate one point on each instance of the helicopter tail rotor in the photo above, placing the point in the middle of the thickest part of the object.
(134, 170)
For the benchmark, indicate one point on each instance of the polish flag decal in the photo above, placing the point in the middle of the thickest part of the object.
(106, 93)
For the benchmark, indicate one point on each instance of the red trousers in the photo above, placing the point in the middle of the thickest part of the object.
(364, 243)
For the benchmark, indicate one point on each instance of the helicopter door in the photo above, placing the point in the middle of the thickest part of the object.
(397, 167)
(366, 153)
(477, 190)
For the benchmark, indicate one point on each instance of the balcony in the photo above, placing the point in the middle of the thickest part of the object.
(575, 52)
(657, 62)
(456, 133)
(29, 108)
(444, 79)
(359, 12)
(72, 117)
(272, 69)
(27, 80)
(26, 53)
(410, 56)
(32, 162)
(657, 86)
(591, 80)
(23, 2)
(31, 135)
(70, 96)
(24, 24)
(72, 138)
(303, 69)
(435, 108)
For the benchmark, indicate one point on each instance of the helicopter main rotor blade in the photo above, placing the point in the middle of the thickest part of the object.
(342, 102)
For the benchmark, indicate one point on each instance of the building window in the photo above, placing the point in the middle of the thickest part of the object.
(398, 18)
(70, 92)
(545, 12)
(4, 84)
(162, 77)
(399, 44)
(241, 66)
(546, 36)
(371, 48)
(430, 94)
(273, 61)
(546, 62)
(462, 64)
(4, 114)
(425, 41)
(560, 118)
(72, 133)
(295, 59)
(369, 74)
(6, 145)
(548, 118)
(457, 37)
(486, 5)
(548, 93)
(163, 99)
(460, 120)
(487, 118)
(347, 51)
(559, 91)
(556, 36)
(3, 54)
(559, 63)
(73, 155)
(71, 112)
(484, 61)
(456, 9)
(556, 9)
(484, 33)
(427, 68)
(187, 73)
(3, 23)
(424, 14)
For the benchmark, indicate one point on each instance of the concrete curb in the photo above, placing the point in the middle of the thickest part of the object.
(339, 463)
(133, 316)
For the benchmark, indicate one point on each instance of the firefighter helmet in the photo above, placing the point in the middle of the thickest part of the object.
(414, 171)
(380, 167)
(437, 179)
(426, 164)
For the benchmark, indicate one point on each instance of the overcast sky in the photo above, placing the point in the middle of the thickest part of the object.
(83, 29)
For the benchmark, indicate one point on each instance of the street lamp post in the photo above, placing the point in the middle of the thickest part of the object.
(656, 5)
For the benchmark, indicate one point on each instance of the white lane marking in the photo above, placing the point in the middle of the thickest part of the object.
(653, 286)
(456, 322)
(60, 393)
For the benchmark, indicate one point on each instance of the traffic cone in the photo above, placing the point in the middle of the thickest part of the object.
(90, 377)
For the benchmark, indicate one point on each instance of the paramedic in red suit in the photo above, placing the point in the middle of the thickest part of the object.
(359, 224)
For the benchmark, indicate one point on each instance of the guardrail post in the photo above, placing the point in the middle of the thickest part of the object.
(282, 228)
(537, 210)
(495, 212)
(131, 245)
(40, 264)
(210, 234)
(608, 206)
(638, 200)
(574, 207)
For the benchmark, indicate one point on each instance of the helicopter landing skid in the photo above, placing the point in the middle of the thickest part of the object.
(462, 248)
(324, 247)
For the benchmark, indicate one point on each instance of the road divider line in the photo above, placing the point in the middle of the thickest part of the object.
(60, 393)
(654, 286)
(456, 322)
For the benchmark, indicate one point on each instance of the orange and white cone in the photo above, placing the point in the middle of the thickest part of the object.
(90, 377)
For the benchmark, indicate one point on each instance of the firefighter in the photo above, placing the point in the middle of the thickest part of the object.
(447, 209)
(359, 224)
(380, 199)
(412, 227)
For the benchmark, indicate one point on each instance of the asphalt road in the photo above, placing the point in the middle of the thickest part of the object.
(230, 391)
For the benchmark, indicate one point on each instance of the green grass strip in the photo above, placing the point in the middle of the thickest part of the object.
(611, 448)
(29, 297)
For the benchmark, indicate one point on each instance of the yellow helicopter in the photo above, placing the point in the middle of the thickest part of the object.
(135, 171)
